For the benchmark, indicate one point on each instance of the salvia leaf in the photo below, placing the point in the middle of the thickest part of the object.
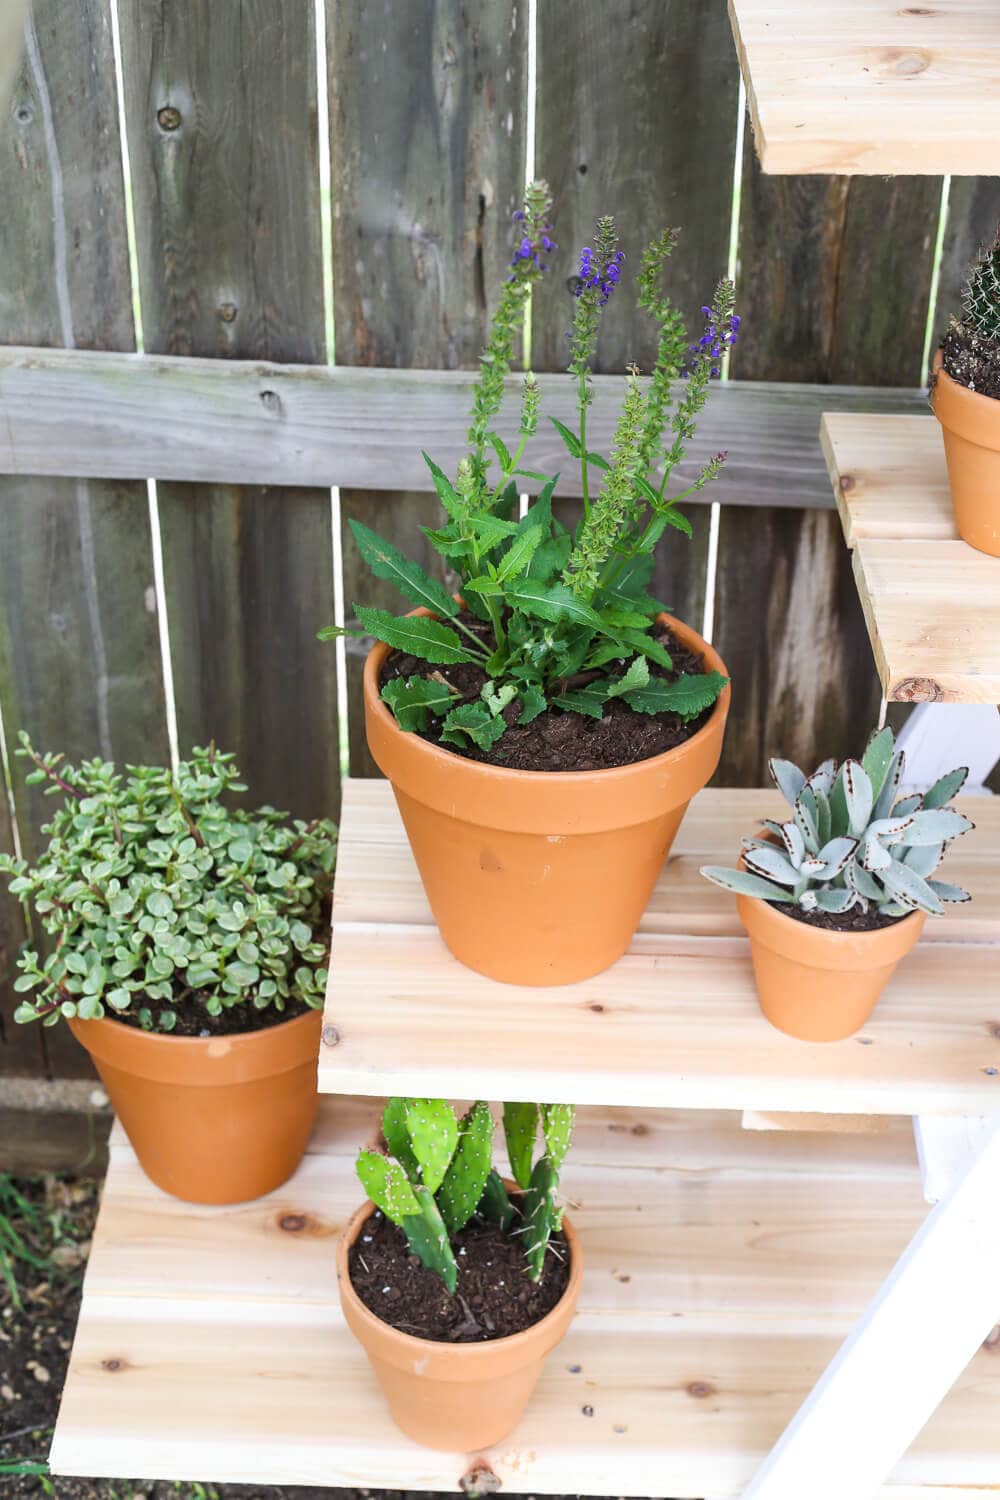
(688, 695)
(415, 634)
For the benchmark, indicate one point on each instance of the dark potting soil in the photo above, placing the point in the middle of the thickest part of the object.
(558, 740)
(494, 1297)
(854, 920)
(971, 361)
(194, 1020)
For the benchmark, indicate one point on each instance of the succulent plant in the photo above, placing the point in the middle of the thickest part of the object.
(160, 895)
(439, 1172)
(981, 294)
(851, 842)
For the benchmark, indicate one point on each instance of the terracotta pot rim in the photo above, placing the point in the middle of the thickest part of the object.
(199, 1061)
(970, 414)
(437, 755)
(155, 1038)
(409, 1341)
(830, 934)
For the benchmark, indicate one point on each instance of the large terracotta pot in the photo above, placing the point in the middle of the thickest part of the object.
(540, 877)
(818, 985)
(970, 423)
(457, 1397)
(212, 1119)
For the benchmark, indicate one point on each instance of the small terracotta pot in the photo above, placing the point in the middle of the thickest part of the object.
(540, 877)
(971, 426)
(212, 1119)
(457, 1397)
(818, 985)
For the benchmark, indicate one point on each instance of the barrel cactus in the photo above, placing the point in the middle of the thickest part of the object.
(438, 1172)
(981, 295)
(852, 841)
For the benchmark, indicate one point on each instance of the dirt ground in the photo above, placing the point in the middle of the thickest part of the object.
(45, 1229)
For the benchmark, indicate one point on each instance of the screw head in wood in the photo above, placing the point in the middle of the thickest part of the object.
(168, 118)
(329, 1036)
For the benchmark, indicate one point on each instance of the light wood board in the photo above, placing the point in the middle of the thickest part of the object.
(872, 86)
(676, 1021)
(722, 1270)
(236, 421)
(931, 603)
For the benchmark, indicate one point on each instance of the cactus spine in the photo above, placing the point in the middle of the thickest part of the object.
(981, 294)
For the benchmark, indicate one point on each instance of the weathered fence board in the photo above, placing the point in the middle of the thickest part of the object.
(427, 153)
(823, 284)
(221, 117)
(78, 629)
(238, 421)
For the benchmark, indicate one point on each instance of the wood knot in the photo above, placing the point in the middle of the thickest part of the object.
(991, 1343)
(847, 483)
(993, 1027)
(479, 1480)
(270, 400)
(699, 1389)
(227, 312)
(917, 10)
(640, 1129)
(113, 1365)
(907, 64)
(310, 1225)
(329, 1036)
(293, 1223)
(917, 690)
(597, 1007)
(168, 118)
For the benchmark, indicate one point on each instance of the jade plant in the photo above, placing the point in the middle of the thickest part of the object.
(438, 1172)
(554, 618)
(852, 841)
(154, 888)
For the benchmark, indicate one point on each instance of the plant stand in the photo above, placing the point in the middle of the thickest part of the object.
(725, 1266)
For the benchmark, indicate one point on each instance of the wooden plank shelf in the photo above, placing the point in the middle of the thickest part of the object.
(723, 1268)
(872, 86)
(931, 602)
(676, 1021)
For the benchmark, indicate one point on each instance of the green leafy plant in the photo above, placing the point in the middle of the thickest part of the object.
(851, 841)
(438, 1172)
(558, 619)
(155, 889)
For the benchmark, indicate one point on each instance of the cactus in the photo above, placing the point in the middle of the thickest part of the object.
(850, 842)
(465, 1180)
(520, 1127)
(541, 1214)
(439, 1174)
(981, 294)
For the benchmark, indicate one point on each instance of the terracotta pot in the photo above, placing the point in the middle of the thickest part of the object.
(212, 1119)
(457, 1397)
(539, 877)
(818, 985)
(971, 426)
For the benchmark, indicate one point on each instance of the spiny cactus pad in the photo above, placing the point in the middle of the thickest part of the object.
(495, 1205)
(541, 1214)
(465, 1179)
(433, 1131)
(397, 1138)
(557, 1128)
(520, 1127)
(981, 294)
(385, 1183)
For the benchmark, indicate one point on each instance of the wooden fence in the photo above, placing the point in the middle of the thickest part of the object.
(435, 108)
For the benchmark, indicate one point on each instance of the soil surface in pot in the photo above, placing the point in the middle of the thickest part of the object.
(495, 1296)
(194, 1020)
(971, 361)
(556, 740)
(854, 920)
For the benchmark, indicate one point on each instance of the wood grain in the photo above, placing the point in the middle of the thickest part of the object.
(221, 116)
(79, 648)
(420, 252)
(676, 1021)
(237, 421)
(713, 1296)
(865, 87)
(889, 477)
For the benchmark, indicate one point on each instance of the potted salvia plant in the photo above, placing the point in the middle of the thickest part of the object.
(545, 728)
(965, 392)
(458, 1283)
(187, 952)
(836, 896)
